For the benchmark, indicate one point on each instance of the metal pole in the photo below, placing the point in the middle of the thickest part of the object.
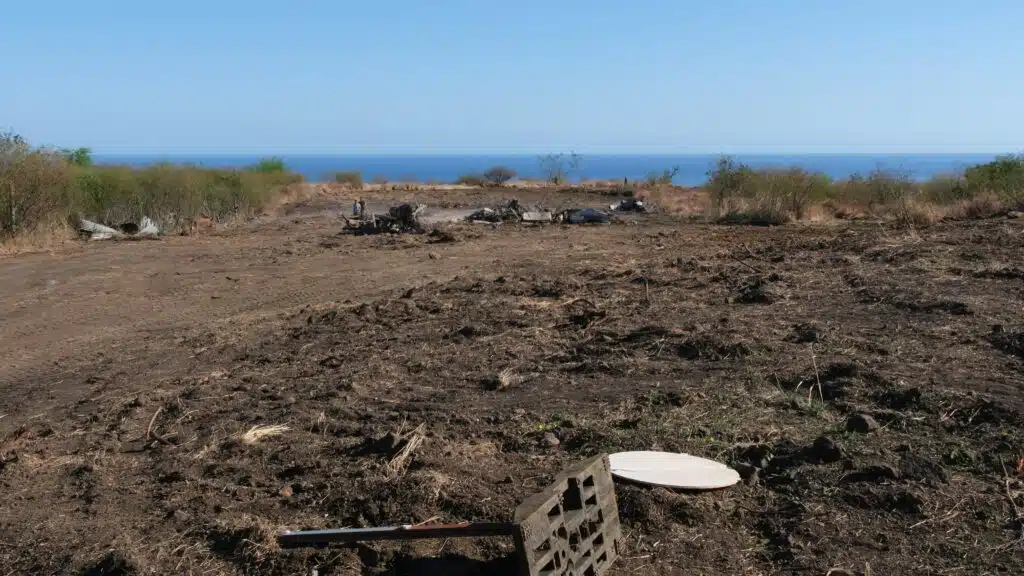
(299, 539)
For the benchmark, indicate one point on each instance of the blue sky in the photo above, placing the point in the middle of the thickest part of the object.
(440, 76)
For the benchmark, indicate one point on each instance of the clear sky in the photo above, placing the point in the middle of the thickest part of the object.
(439, 76)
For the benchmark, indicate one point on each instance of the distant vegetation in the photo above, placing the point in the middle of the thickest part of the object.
(557, 168)
(476, 180)
(42, 188)
(741, 194)
(351, 179)
(499, 175)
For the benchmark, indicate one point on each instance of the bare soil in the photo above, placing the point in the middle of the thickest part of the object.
(866, 382)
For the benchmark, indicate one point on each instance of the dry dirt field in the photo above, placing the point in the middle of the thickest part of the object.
(866, 381)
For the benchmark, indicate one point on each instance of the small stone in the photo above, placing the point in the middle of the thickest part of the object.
(746, 471)
(551, 440)
(873, 473)
(286, 492)
(862, 423)
(757, 455)
(181, 515)
(507, 480)
(434, 256)
(826, 450)
(1014, 214)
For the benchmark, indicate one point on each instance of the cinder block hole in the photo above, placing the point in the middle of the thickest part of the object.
(571, 498)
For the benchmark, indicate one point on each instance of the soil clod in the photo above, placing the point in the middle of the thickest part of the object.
(862, 423)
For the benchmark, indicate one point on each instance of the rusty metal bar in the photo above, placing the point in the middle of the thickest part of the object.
(299, 539)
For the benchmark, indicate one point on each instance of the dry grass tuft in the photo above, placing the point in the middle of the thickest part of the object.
(400, 461)
(675, 200)
(915, 214)
(984, 205)
(258, 433)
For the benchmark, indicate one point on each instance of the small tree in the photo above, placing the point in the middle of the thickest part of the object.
(556, 168)
(498, 175)
(81, 157)
(662, 179)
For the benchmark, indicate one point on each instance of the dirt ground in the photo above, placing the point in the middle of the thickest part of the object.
(866, 381)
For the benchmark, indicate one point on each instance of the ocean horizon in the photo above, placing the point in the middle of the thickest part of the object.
(693, 168)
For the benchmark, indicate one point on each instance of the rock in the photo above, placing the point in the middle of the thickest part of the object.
(434, 256)
(839, 572)
(507, 479)
(746, 471)
(286, 492)
(805, 334)
(756, 455)
(862, 423)
(825, 450)
(1014, 214)
(551, 440)
(914, 467)
(873, 473)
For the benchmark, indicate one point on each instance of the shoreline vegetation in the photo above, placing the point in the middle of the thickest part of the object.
(43, 191)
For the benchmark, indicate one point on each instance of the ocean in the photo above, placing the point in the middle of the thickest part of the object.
(693, 169)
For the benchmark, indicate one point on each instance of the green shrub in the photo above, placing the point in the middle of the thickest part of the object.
(1004, 176)
(877, 189)
(35, 186)
(946, 189)
(81, 157)
(783, 193)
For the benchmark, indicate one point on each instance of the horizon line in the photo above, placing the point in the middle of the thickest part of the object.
(478, 152)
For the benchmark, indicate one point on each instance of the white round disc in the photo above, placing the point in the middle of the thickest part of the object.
(672, 470)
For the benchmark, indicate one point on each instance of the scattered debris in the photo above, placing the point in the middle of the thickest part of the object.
(507, 211)
(146, 229)
(629, 205)
(574, 521)
(584, 216)
(257, 433)
(537, 217)
(399, 219)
